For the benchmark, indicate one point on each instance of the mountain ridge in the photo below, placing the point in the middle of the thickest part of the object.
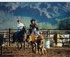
(46, 12)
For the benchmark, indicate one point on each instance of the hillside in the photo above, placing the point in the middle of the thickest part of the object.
(43, 12)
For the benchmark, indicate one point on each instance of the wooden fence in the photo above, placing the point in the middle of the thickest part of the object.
(7, 34)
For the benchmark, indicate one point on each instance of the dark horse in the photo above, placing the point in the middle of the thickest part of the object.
(19, 37)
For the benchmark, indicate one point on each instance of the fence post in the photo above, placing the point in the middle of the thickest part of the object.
(69, 39)
(1, 50)
(9, 36)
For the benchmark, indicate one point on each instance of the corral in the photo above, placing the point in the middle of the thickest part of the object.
(61, 50)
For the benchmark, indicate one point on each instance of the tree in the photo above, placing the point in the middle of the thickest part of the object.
(64, 24)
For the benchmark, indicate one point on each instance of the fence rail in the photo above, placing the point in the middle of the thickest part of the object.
(7, 33)
(48, 33)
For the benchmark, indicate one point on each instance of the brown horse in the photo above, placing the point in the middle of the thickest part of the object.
(32, 41)
(37, 43)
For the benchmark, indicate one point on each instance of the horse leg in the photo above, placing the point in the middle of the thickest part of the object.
(28, 45)
(32, 47)
(32, 44)
(19, 45)
(35, 46)
(24, 45)
(38, 46)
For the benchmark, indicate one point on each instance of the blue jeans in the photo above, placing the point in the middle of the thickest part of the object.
(17, 32)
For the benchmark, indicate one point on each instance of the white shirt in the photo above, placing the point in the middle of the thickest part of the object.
(20, 26)
(36, 32)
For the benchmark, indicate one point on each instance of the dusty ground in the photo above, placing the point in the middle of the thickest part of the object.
(13, 51)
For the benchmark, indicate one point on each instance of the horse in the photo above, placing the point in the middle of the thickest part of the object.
(32, 41)
(37, 42)
(20, 37)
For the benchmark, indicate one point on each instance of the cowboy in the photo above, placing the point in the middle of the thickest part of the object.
(34, 27)
(20, 26)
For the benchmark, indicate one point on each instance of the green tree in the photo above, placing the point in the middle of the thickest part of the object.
(64, 24)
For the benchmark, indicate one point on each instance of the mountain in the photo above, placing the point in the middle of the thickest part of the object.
(43, 12)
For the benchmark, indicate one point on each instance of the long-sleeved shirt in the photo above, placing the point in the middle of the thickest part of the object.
(20, 26)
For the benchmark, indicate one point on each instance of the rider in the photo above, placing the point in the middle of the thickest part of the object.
(20, 26)
(34, 31)
(34, 27)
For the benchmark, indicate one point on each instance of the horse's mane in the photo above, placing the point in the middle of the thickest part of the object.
(24, 29)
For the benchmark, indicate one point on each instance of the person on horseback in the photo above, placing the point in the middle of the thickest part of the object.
(34, 34)
(33, 27)
(34, 30)
(20, 26)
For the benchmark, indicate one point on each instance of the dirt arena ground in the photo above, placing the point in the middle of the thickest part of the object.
(51, 52)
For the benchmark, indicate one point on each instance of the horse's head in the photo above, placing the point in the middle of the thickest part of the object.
(24, 29)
